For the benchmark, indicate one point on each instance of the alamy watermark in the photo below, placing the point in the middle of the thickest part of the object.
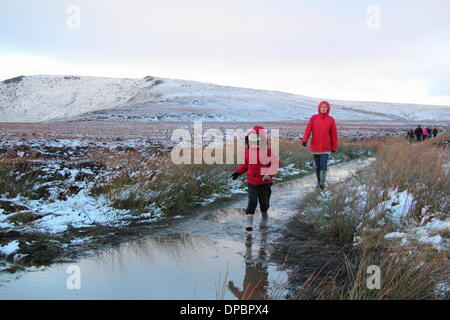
(73, 21)
(373, 21)
(73, 282)
(374, 279)
(226, 148)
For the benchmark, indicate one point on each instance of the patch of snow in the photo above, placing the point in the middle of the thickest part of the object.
(400, 204)
(80, 241)
(9, 248)
(395, 235)
(397, 208)
(80, 210)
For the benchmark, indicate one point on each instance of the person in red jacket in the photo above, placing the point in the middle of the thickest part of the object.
(260, 164)
(324, 140)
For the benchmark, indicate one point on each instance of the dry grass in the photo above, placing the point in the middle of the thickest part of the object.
(419, 168)
(16, 178)
(22, 217)
(339, 212)
(143, 185)
(343, 212)
(405, 274)
(292, 152)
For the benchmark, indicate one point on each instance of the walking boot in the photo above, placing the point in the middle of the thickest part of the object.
(323, 177)
(318, 177)
(249, 226)
(264, 219)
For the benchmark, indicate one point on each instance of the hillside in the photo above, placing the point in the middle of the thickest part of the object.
(44, 98)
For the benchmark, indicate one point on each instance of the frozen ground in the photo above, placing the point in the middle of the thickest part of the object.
(122, 132)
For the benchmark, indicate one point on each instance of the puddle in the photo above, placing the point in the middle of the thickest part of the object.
(196, 260)
(177, 266)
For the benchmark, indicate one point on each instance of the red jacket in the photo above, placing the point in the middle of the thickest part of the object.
(256, 167)
(323, 130)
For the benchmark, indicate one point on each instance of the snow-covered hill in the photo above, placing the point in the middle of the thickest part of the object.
(41, 98)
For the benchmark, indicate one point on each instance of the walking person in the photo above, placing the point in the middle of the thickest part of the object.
(260, 164)
(418, 133)
(424, 133)
(324, 140)
(435, 132)
(410, 136)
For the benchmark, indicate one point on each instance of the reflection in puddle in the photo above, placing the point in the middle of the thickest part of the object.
(256, 281)
(175, 266)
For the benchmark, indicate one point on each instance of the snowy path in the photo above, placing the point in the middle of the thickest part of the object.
(192, 259)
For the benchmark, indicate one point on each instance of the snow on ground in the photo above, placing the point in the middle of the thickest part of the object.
(58, 192)
(40, 98)
(80, 210)
(9, 248)
(397, 209)
(425, 233)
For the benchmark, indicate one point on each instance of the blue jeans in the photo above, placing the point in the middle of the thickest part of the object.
(320, 161)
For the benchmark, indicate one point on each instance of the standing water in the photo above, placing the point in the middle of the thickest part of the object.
(207, 255)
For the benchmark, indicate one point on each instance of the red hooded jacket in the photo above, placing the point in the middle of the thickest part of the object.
(323, 130)
(256, 167)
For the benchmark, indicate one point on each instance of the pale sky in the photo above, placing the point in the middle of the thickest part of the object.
(396, 51)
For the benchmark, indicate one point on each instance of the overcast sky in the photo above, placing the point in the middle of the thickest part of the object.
(396, 51)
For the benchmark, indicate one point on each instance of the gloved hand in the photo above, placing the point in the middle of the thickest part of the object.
(235, 175)
(304, 143)
(266, 177)
(333, 151)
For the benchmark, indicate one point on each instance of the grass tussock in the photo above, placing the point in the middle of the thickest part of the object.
(419, 168)
(23, 217)
(404, 274)
(410, 181)
(16, 179)
(159, 184)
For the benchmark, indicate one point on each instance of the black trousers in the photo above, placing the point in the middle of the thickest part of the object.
(258, 194)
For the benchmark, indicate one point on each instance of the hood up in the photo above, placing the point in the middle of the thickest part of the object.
(328, 111)
(260, 132)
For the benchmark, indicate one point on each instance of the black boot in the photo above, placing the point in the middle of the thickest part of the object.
(318, 177)
(323, 177)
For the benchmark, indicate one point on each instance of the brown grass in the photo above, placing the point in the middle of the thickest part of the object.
(405, 274)
(418, 168)
(22, 217)
(341, 214)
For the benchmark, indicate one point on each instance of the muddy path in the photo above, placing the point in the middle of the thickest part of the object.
(206, 255)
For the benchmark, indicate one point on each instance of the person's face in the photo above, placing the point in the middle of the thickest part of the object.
(253, 140)
(323, 108)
